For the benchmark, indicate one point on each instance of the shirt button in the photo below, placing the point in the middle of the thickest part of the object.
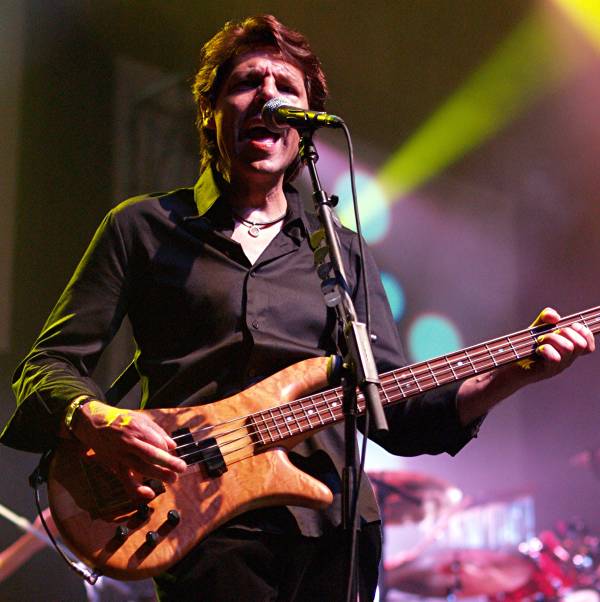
(252, 274)
(255, 324)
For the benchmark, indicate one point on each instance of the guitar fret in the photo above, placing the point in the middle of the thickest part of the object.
(471, 362)
(329, 406)
(316, 409)
(286, 419)
(460, 364)
(451, 368)
(435, 380)
(306, 414)
(491, 354)
(502, 350)
(257, 431)
(515, 352)
(398, 385)
(385, 395)
(295, 419)
(266, 424)
(415, 379)
(277, 426)
(407, 383)
(338, 402)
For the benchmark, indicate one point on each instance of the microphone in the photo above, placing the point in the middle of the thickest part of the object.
(278, 116)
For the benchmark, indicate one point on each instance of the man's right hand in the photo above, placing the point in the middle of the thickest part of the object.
(129, 444)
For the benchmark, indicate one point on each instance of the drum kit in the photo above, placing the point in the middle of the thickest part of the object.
(481, 550)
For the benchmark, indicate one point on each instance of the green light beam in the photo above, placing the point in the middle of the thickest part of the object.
(524, 66)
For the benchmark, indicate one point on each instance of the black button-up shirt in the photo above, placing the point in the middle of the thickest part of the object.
(208, 323)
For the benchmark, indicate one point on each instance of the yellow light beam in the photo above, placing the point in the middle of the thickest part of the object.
(585, 14)
(523, 66)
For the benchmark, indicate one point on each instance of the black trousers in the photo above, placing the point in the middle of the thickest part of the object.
(238, 565)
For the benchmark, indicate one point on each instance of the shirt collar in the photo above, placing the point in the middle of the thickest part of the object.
(207, 192)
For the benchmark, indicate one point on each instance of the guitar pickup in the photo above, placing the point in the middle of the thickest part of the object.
(205, 452)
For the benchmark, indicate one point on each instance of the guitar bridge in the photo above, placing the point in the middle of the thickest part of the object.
(205, 452)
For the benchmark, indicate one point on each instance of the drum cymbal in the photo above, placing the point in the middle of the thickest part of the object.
(463, 572)
(411, 496)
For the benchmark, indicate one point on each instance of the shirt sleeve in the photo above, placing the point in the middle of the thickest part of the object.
(424, 424)
(59, 366)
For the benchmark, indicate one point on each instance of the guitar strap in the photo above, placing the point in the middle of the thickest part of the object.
(122, 384)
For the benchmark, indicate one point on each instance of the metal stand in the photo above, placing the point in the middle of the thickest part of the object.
(359, 364)
(383, 491)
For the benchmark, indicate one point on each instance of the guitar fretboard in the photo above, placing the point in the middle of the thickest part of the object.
(322, 409)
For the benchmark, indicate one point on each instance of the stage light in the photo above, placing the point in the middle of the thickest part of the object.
(395, 294)
(585, 14)
(375, 213)
(431, 335)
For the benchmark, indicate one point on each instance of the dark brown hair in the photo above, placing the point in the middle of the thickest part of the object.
(236, 38)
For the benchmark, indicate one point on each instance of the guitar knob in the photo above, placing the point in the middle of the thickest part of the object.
(121, 533)
(152, 538)
(143, 511)
(173, 517)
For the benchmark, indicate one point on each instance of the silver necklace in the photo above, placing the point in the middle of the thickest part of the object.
(254, 228)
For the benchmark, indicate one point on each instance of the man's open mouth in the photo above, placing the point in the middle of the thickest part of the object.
(260, 133)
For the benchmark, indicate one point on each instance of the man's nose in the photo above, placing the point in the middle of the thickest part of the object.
(268, 89)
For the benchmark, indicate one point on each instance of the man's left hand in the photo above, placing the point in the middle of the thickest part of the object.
(557, 349)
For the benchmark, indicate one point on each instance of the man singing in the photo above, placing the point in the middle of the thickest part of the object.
(219, 284)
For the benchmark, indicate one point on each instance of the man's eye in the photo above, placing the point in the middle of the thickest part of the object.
(245, 83)
(288, 89)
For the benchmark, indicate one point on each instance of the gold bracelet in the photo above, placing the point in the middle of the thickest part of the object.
(72, 408)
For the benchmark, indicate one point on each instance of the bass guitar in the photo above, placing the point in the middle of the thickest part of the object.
(236, 452)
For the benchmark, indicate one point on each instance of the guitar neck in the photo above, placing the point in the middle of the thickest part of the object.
(322, 409)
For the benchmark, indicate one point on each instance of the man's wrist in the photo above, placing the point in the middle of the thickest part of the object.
(72, 410)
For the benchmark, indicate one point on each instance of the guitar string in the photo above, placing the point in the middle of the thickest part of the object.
(433, 364)
(253, 445)
(298, 427)
(430, 371)
(395, 393)
(271, 421)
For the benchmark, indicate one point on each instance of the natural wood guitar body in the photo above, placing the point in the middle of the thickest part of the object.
(248, 436)
(85, 503)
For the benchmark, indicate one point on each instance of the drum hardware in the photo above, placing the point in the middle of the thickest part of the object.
(406, 496)
(567, 566)
(411, 497)
(461, 573)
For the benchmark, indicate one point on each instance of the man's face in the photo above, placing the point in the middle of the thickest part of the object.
(247, 149)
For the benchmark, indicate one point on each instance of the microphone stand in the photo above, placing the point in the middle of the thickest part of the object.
(359, 364)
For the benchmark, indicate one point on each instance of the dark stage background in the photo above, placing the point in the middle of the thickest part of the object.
(478, 135)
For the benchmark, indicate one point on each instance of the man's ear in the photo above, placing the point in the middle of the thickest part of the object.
(208, 119)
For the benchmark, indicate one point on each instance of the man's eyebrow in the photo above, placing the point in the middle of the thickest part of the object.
(280, 72)
(289, 77)
(285, 74)
(246, 72)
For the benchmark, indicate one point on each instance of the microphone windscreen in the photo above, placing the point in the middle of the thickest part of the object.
(269, 114)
